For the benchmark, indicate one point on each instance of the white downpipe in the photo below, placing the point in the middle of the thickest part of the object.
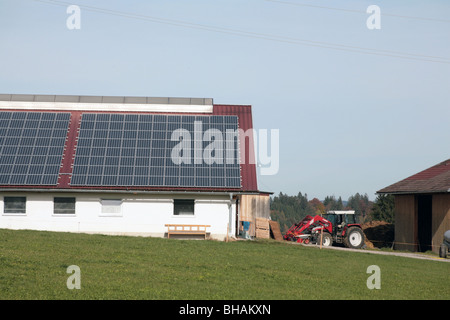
(230, 217)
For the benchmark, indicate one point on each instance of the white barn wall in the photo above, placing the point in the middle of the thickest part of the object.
(142, 214)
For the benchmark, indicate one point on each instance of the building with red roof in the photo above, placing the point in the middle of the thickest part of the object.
(127, 165)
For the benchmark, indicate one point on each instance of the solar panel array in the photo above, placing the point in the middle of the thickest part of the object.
(31, 147)
(121, 150)
(139, 149)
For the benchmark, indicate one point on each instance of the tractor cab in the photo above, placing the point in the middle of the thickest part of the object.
(340, 218)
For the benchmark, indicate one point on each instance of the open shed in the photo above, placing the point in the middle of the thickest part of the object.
(422, 208)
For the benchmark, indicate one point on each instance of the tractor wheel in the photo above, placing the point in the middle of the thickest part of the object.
(354, 238)
(327, 240)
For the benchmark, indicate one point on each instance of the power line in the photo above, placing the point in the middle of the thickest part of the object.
(277, 38)
(354, 11)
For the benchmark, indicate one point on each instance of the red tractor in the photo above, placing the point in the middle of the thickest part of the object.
(332, 227)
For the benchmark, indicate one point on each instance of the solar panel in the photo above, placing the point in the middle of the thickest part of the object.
(31, 147)
(157, 150)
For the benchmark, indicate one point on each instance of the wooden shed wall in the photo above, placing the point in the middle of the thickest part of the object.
(252, 207)
(405, 222)
(440, 220)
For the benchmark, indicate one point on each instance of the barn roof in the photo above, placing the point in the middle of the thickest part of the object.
(65, 142)
(435, 179)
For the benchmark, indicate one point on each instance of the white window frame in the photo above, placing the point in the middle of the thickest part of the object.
(59, 214)
(14, 213)
(111, 208)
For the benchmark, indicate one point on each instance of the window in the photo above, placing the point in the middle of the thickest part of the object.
(63, 205)
(183, 207)
(330, 217)
(350, 218)
(14, 204)
(112, 207)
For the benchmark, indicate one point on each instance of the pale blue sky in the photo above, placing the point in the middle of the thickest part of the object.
(349, 121)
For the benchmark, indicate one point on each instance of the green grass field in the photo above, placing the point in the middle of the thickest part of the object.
(33, 265)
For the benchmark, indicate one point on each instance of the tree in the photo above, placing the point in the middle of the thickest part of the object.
(331, 203)
(318, 206)
(288, 210)
(339, 204)
(361, 204)
(383, 208)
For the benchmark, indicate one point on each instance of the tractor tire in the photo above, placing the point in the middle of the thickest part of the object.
(327, 240)
(354, 238)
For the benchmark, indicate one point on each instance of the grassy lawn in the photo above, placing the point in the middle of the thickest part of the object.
(33, 265)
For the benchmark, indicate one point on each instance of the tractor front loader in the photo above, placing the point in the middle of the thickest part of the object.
(332, 227)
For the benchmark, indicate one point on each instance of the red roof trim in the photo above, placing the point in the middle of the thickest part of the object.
(65, 172)
(119, 188)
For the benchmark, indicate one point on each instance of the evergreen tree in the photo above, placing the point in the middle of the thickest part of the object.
(331, 203)
(339, 204)
(362, 206)
(383, 208)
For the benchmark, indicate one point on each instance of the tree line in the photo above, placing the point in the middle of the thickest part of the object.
(288, 210)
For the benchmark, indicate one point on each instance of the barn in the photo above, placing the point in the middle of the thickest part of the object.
(144, 166)
(422, 208)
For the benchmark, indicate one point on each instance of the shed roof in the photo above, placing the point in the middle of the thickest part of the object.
(435, 179)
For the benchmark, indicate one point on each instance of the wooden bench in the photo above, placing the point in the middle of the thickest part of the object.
(186, 229)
